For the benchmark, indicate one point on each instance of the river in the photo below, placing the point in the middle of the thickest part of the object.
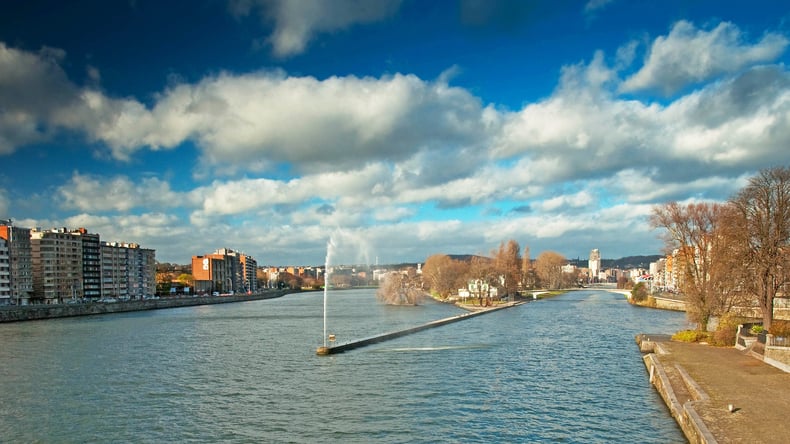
(564, 369)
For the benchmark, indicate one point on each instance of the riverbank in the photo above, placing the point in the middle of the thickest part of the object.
(53, 311)
(718, 394)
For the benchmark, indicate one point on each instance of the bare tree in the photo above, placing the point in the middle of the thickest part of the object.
(548, 267)
(399, 288)
(507, 263)
(527, 271)
(443, 274)
(570, 279)
(693, 233)
(763, 221)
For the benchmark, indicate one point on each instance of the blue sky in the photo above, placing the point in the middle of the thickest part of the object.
(398, 129)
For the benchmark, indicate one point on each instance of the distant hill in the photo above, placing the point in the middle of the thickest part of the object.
(631, 261)
(623, 263)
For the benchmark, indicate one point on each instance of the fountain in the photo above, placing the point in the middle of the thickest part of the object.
(398, 289)
(324, 349)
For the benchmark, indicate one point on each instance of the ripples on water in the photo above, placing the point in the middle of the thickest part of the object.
(564, 369)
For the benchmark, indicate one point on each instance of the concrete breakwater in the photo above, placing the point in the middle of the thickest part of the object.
(396, 334)
(39, 312)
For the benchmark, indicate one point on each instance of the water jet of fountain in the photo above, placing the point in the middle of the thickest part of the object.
(330, 245)
(346, 239)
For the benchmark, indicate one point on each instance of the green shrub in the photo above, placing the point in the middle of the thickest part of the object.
(757, 329)
(690, 336)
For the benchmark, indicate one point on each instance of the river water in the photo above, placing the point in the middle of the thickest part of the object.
(564, 369)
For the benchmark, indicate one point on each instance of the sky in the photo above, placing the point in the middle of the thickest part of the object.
(384, 131)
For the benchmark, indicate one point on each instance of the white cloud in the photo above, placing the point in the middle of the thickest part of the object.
(580, 199)
(688, 55)
(583, 131)
(644, 186)
(259, 119)
(166, 233)
(33, 88)
(296, 22)
(98, 194)
(595, 5)
(334, 123)
(393, 214)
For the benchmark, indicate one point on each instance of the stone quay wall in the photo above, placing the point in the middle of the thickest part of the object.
(39, 312)
(685, 414)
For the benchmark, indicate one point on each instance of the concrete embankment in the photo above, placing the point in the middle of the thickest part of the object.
(39, 312)
(718, 394)
(396, 334)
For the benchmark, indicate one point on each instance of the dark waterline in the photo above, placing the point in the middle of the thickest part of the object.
(563, 369)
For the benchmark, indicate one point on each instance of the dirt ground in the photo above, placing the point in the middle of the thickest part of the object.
(758, 392)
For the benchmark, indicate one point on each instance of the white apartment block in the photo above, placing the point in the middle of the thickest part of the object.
(127, 271)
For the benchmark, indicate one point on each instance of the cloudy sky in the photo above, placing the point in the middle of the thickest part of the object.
(398, 129)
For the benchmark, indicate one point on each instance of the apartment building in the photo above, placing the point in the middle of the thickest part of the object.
(91, 263)
(57, 265)
(249, 275)
(17, 240)
(127, 270)
(212, 273)
(225, 271)
(5, 274)
(56, 257)
(143, 268)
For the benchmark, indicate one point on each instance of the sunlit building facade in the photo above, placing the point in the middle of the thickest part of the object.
(56, 257)
(225, 271)
(20, 266)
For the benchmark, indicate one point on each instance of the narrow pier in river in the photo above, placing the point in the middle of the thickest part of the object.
(396, 334)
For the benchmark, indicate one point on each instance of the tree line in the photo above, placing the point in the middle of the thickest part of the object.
(507, 270)
(735, 253)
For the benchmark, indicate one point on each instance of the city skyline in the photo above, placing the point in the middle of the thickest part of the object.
(293, 131)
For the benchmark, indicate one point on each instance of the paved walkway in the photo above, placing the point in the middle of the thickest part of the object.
(759, 393)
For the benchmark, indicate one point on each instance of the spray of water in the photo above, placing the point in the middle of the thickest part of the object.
(330, 249)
